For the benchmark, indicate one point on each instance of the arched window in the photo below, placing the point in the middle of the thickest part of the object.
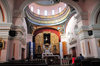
(45, 12)
(32, 8)
(38, 11)
(59, 9)
(53, 12)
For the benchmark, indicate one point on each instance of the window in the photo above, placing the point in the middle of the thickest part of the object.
(59, 9)
(53, 12)
(32, 8)
(65, 5)
(38, 11)
(45, 12)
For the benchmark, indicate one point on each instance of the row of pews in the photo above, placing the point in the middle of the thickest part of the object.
(88, 62)
(35, 62)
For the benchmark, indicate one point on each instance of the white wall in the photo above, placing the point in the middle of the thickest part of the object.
(71, 33)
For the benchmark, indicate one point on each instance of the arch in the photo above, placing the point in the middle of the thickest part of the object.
(69, 2)
(94, 14)
(73, 13)
(7, 11)
(98, 16)
(47, 29)
(3, 15)
(73, 4)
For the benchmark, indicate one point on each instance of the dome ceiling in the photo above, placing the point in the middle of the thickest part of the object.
(47, 14)
(47, 10)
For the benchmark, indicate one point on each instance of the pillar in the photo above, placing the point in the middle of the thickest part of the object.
(61, 50)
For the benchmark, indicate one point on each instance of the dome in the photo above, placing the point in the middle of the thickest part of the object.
(47, 10)
(51, 14)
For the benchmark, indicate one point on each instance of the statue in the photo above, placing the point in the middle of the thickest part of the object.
(47, 50)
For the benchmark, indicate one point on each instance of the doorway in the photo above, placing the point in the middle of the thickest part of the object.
(74, 51)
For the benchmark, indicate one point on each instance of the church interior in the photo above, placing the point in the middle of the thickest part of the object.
(49, 31)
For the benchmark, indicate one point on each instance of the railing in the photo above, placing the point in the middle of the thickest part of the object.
(39, 61)
(65, 61)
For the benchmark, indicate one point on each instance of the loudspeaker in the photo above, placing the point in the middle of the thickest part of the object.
(12, 33)
(90, 32)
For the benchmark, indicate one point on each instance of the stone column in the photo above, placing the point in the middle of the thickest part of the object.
(4, 32)
(94, 48)
(84, 50)
(61, 50)
(95, 40)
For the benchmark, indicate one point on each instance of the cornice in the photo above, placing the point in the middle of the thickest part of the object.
(95, 27)
(83, 29)
(32, 14)
(91, 27)
(4, 36)
(53, 17)
(22, 39)
(19, 28)
(51, 21)
(83, 32)
(5, 26)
